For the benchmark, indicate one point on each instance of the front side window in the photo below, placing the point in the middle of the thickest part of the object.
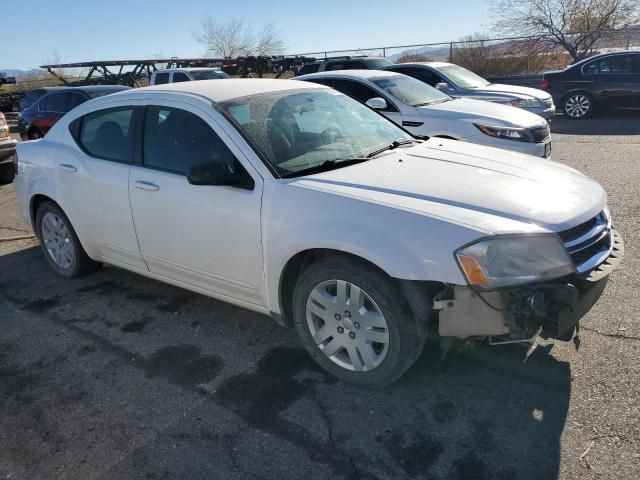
(177, 141)
(299, 129)
(56, 102)
(463, 77)
(107, 134)
(410, 91)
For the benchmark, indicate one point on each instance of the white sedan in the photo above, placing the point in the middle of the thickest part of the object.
(295, 201)
(425, 111)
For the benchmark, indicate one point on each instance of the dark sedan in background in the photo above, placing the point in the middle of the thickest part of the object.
(605, 81)
(36, 120)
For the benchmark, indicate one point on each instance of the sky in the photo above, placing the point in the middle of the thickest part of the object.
(76, 31)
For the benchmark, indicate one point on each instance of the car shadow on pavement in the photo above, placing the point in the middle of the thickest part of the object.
(117, 376)
(615, 123)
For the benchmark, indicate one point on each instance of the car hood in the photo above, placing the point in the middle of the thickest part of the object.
(516, 91)
(489, 189)
(486, 112)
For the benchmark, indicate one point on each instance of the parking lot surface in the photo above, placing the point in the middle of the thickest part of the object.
(115, 376)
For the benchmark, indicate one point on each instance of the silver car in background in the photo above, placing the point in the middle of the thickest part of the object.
(457, 81)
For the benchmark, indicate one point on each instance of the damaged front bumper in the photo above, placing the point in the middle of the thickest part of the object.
(519, 314)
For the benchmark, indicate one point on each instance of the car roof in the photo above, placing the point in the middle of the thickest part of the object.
(225, 89)
(362, 74)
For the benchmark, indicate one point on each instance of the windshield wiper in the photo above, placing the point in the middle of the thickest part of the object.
(325, 166)
(395, 144)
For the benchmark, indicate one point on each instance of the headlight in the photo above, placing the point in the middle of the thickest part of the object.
(525, 103)
(508, 133)
(513, 260)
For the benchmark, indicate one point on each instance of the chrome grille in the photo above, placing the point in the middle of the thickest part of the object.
(590, 243)
(540, 134)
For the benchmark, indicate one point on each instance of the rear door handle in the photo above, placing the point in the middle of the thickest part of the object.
(146, 186)
(68, 168)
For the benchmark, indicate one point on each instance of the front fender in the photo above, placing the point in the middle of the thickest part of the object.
(405, 244)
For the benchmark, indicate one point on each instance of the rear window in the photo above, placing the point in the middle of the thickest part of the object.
(106, 91)
(375, 63)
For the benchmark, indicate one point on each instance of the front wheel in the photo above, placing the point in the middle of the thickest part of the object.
(355, 323)
(578, 105)
(60, 244)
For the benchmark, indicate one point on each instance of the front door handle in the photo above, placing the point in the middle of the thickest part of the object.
(146, 186)
(68, 168)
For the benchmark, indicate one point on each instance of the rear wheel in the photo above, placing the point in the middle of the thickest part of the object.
(60, 244)
(355, 323)
(578, 105)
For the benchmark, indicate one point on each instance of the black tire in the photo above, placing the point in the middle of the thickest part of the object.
(578, 106)
(407, 335)
(6, 172)
(81, 263)
(34, 134)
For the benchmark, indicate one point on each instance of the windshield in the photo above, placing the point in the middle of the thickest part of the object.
(463, 77)
(296, 130)
(208, 74)
(106, 91)
(410, 91)
(375, 63)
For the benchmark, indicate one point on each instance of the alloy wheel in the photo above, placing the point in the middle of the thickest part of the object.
(57, 240)
(347, 325)
(577, 106)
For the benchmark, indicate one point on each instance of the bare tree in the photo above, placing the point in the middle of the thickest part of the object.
(575, 25)
(236, 38)
(409, 57)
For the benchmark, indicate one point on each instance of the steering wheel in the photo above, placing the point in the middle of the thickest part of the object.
(330, 135)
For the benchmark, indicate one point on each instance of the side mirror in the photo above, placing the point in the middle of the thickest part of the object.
(444, 87)
(219, 174)
(377, 103)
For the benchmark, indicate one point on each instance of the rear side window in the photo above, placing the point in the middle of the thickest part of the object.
(613, 64)
(176, 141)
(180, 77)
(162, 78)
(56, 102)
(106, 134)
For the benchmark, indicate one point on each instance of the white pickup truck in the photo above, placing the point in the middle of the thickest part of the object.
(296, 201)
(176, 75)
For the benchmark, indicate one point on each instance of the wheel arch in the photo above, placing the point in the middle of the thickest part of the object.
(418, 294)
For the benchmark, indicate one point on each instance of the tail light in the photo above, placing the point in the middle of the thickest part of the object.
(545, 83)
(14, 162)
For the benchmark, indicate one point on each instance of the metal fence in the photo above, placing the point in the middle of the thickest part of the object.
(491, 56)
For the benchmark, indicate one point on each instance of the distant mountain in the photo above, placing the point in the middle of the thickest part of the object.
(21, 73)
